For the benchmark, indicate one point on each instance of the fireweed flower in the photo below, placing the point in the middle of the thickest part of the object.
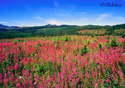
(103, 70)
(98, 67)
(86, 74)
(58, 86)
(16, 66)
(77, 79)
(40, 85)
(6, 79)
(73, 82)
(67, 69)
(17, 84)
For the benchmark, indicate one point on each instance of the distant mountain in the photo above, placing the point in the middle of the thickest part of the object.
(91, 25)
(50, 25)
(14, 27)
(64, 25)
(107, 25)
(4, 26)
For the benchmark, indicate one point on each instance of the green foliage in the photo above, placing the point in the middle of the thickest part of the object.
(100, 46)
(21, 67)
(6, 62)
(108, 45)
(22, 40)
(123, 35)
(17, 41)
(60, 30)
(84, 50)
(92, 35)
(107, 37)
(20, 47)
(88, 42)
(14, 42)
(67, 38)
(121, 64)
(45, 68)
(75, 51)
(114, 43)
(56, 39)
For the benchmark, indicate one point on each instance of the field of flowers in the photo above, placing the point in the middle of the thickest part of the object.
(63, 62)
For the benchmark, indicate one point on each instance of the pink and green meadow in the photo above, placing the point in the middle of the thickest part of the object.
(63, 62)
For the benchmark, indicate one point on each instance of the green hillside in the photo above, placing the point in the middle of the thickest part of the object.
(53, 30)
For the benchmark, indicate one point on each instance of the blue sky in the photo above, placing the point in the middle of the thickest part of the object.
(72, 12)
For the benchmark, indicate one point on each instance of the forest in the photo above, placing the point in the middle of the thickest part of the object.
(54, 30)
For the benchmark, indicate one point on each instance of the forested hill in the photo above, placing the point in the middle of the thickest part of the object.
(54, 30)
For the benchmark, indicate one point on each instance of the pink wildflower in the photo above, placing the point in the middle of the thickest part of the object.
(16, 66)
(77, 79)
(18, 85)
(87, 75)
(108, 80)
(73, 82)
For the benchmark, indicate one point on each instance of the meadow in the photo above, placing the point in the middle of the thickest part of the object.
(73, 61)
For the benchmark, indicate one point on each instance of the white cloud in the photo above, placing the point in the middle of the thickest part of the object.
(53, 22)
(38, 17)
(120, 18)
(84, 18)
(102, 16)
(20, 23)
(83, 13)
(3, 22)
(48, 21)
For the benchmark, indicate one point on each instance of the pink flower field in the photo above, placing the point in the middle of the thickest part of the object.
(63, 62)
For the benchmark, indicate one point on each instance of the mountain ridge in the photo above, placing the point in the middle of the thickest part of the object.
(5, 26)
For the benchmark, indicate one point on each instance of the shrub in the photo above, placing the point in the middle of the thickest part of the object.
(21, 40)
(88, 42)
(76, 51)
(46, 67)
(20, 47)
(107, 37)
(14, 42)
(114, 43)
(100, 46)
(123, 35)
(84, 50)
(67, 38)
(92, 35)
(108, 45)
